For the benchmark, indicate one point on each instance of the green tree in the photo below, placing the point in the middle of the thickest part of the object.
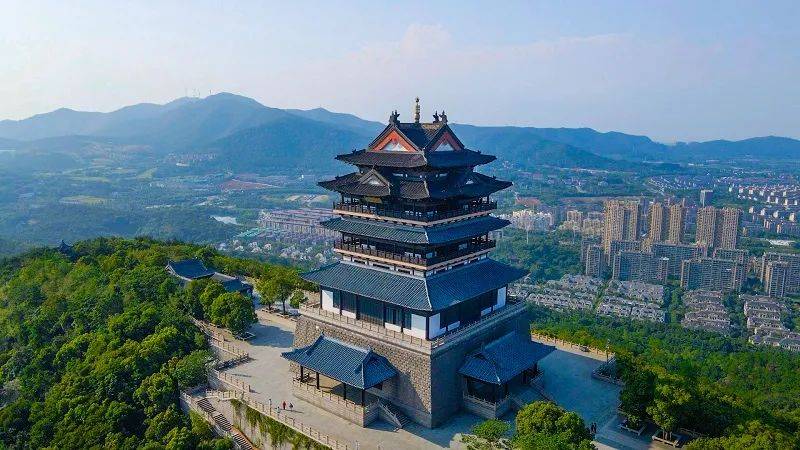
(278, 285)
(210, 293)
(541, 423)
(667, 407)
(233, 311)
(297, 298)
(190, 370)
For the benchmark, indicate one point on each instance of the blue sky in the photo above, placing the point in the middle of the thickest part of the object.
(671, 70)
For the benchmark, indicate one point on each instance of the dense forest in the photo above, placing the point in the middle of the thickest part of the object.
(736, 394)
(95, 345)
(547, 256)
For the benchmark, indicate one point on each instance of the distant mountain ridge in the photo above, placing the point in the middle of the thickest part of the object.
(243, 132)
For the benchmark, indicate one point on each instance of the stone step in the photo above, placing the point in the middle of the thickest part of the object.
(223, 423)
(401, 419)
(205, 405)
(241, 442)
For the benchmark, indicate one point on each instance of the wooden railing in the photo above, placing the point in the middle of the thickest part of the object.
(416, 260)
(289, 421)
(417, 216)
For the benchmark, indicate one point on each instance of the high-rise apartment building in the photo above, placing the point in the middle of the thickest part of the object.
(658, 223)
(621, 222)
(595, 263)
(677, 223)
(705, 197)
(718, 228)
(792, 270)
(712, 274)
(775, 275)
(677, 254)
(640, 266)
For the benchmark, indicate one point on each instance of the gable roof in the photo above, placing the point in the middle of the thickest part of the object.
(431, 293)
(504, 358)
(190, 268)
(423, 136)
(348, 363)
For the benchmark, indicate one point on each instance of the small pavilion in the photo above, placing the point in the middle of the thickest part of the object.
(340, 368)
(511, 358)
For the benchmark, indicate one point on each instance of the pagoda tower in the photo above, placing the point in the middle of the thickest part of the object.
(414, 320)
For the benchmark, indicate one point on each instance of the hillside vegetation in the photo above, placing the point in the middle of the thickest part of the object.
(737, 394)
(95, 347)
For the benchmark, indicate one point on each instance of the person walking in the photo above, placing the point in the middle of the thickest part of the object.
(284, 405)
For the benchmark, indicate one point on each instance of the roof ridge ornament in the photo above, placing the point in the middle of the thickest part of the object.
(394, 117)
(443, 117)
(416, 110)
(436, 117)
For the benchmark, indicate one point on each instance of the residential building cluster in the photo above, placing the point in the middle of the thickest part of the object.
(625, 299)
(706, 311)
(294, 234)
(530, 220)
(712, 262)
(765, 322)
(589, 223)
(779, 209)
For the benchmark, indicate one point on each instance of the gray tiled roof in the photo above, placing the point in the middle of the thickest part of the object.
(504, 358)
(408, 234)
(352, 365)
(456, 184)
(190, 268)
(236, 285)
(432, 293)
(440, 160)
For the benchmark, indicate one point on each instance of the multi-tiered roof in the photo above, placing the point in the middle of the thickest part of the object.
(415, 220)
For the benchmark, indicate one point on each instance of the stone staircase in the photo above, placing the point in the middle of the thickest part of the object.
(393, 415)
(240, 442)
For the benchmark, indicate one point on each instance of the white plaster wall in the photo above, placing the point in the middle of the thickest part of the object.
(327, 301)
(391, 326)
(417, 326)
(433, 323)
(349, 314)
(501, 297)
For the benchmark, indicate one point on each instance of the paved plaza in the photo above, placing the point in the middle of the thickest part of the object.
(567, 380)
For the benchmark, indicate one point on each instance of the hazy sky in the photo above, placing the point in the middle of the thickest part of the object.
(668, 69)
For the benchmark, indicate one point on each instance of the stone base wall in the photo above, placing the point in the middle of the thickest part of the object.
(427, 388)
(446, 383)
(409, 391)
(362, 417)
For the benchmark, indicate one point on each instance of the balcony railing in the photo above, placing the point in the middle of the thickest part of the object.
(512, 307)
(418, 216)
(411, 259)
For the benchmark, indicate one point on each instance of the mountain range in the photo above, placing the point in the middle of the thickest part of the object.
(243, 134)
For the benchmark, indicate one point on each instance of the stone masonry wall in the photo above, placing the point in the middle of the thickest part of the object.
(427, 389)
(446, 382)
(411, 389)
